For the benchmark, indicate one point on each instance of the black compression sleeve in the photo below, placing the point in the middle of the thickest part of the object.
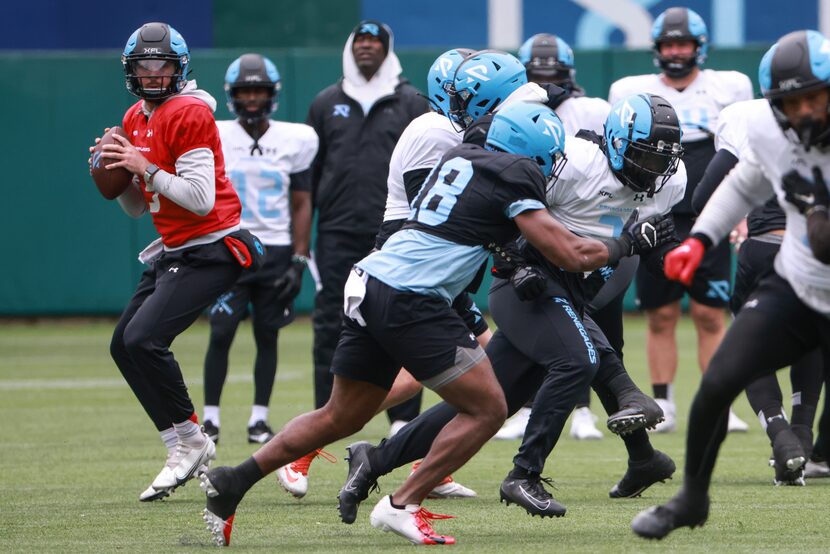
(721, 164)
(301, 181)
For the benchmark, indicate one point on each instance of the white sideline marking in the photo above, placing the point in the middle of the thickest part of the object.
(66, 384)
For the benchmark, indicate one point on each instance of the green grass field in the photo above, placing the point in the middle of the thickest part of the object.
(77, 450)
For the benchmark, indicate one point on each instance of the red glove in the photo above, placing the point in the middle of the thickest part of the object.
(681, 263)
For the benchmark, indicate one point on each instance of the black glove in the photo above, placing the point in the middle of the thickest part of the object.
(291, 282)
(640, 237)
(529, 282)
(506, 259)
(805, 195)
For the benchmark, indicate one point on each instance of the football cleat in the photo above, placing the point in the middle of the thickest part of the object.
(447, 488)
(530, 494)
(641, 475)
(360, 481)
(637, 411)
(193, 460)
(669, 423)
(658, 521)
(259, 433)
(816, 469)
(211, 430)
(788, 459)
(583, 425)
(413, 522)
(221, 503)
(293, 477)
(514, 428)
(736, 424)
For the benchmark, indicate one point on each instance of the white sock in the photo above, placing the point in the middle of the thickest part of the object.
(258, 413)
(670, 392)
(189, 433)
(169, 438)
(211, 414)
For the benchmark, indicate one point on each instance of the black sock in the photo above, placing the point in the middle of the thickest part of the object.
(248, 473)
(520, 473)
(661, 391)
(638, 446)
(775, 425)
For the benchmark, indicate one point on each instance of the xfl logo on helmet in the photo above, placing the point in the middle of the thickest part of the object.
(152, 50)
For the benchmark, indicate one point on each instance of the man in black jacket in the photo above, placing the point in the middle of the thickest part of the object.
(358, 120)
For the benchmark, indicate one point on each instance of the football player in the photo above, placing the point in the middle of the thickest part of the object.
(174, 151)
(595, 194)
(398, 313)
(549, 59)
(681, 43)
(765, 231)
(268, 163)
(786, 315)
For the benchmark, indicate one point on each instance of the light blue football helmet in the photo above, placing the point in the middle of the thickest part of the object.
(482, 81)
(440, 78)
(533, 130)
(642, 142)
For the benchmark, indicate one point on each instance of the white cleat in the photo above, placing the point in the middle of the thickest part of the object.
(736, 424)
(583, 425)
(413, 522)
(514, 428)
(669, 424)
(816, 470)
(194, 460)
(293, 480)
(162, 486)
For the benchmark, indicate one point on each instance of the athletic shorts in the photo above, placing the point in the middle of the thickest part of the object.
(466, 308)
(710, 286)
(255, 291)
(403, 329)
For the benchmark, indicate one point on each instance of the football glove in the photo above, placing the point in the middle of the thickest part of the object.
(804, 194)
(640, 237)
(291, 282)
(681, 263)
(529, 282)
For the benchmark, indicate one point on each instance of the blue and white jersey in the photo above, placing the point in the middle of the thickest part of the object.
(263, 181)
(467, 203)
(590, 201)
(698, 105)
(583, 112)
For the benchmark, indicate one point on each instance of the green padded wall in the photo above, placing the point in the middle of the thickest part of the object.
(69, 251)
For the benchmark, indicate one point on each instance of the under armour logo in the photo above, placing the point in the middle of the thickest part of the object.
(342, 110)
(174, 269)
(640, 197)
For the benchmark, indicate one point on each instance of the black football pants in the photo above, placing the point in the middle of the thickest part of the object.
(171, 294)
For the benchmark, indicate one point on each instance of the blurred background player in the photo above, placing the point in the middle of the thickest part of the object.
(200, 254)
(268, 162)
(786, 315)
(549, 59)
(358, 121)
(681, 43)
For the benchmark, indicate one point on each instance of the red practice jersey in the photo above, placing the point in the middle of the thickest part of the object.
(180, 125)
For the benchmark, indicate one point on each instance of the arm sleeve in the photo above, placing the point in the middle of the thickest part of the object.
(132, 201)
(744, 188)
(721, 164)
(301, 182)
(194, 185)
(412, 181)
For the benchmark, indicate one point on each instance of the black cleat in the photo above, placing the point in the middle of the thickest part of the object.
(212, 431)
(637, 411)
(658, 521)
(641, 475)
(360, 481)
(530, 494)
(259, 433)
(222, 499)
(789, 459)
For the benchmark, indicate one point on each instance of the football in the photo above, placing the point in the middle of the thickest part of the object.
(110, 182)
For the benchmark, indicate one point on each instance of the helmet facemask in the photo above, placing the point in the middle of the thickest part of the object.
(647, 166)
(152, 69)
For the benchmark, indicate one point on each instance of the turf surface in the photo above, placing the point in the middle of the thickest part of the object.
(77, 450)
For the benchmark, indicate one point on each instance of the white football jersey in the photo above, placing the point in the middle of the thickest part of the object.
(735, 120)
(698, 105)
(263, 181)
(773, 155)
(583, 112)
(421, 146)
(590, 201)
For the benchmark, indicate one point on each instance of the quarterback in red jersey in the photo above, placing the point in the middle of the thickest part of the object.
(176, 156)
